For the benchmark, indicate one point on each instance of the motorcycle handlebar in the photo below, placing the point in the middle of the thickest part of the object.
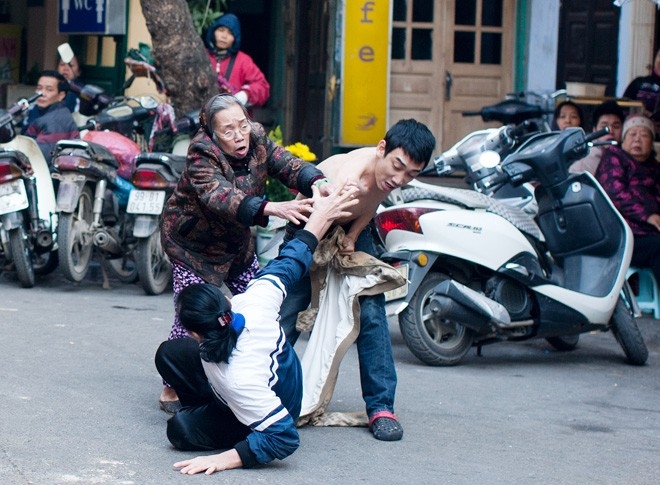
(23, 104)
(596, 134)
(519, 130)
(18, 107)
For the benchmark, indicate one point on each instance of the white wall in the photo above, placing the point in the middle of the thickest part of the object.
(636, 26)
(541, 66)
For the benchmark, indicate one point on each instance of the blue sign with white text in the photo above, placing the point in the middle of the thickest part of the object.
(82, 16)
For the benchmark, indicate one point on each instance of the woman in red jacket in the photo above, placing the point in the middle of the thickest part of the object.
(237, 72)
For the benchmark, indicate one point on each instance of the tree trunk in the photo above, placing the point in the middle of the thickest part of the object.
(179, 54)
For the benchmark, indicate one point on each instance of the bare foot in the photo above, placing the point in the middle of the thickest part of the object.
(168, 394)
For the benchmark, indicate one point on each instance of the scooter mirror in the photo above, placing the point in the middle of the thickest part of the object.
(65, 52)
(148, 102)
(489, 159)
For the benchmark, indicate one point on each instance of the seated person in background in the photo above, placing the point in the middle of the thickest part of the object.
(647, 90)
(237, 73)
(49, 120)
(567, 115)
(71, 72)
(238, 378)
(631, 177)
(607, 114)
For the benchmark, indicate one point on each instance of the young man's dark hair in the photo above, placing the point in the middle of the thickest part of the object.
(608, 107)
(413, 137)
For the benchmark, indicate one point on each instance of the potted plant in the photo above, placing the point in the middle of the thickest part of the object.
(268, 238)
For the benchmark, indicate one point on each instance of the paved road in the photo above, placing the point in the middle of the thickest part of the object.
(78, 400)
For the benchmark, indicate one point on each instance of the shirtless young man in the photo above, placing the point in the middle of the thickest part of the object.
(395, 161)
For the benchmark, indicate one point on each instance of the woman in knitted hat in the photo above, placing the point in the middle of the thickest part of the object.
(631, 177)
(237, 73)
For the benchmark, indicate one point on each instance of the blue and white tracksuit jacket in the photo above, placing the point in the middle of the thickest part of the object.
(262, 383)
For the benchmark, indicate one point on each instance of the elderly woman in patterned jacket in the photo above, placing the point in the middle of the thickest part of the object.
(631, 177)
(205, 227)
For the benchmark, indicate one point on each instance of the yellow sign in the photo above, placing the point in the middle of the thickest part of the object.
(365, 72)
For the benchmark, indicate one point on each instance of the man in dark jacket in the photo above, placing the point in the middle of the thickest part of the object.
(50, 120)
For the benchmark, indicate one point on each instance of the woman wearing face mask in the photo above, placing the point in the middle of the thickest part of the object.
(205, 228)
(71, 72)
(237, 73)
(631, 177)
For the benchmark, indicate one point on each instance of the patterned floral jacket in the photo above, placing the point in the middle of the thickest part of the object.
(633, 187)
(205, 225)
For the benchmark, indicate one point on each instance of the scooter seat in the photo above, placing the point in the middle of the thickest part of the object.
(97, 152)
(175, 162)
(471, 199)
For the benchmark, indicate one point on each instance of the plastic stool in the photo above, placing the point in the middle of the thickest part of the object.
(648, 298)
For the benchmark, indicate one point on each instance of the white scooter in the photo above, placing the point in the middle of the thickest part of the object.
(28, 220)
(154, 178)
(481, 271)
(520, 121)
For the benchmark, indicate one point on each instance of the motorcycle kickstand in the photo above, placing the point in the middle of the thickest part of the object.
(104, 274)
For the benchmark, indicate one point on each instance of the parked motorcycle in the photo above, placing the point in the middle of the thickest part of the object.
(93, 175)
(520, 120)
(481, 271)
(27, 201)
(155, 178)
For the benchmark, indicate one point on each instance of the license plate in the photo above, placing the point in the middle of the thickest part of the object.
(13, 197)
(401, 291)
(67, 196)
(146, 202)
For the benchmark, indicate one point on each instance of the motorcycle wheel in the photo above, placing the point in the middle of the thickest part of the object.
(22, 257)
(564, 343)
(153, 265)
(627, 333)
(75, 244)
(124, 268)
(434, 341)
(45, 263)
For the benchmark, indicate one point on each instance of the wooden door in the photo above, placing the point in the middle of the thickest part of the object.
(101, 60)
(450, 56)
(588, 43)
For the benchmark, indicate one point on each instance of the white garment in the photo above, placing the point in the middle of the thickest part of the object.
(338, 324)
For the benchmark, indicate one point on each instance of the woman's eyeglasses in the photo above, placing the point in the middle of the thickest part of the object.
(230, 134)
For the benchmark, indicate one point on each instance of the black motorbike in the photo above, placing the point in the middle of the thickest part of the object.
(93, 175)
(155, 177)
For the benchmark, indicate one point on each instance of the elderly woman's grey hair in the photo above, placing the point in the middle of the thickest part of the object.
(217, 103)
